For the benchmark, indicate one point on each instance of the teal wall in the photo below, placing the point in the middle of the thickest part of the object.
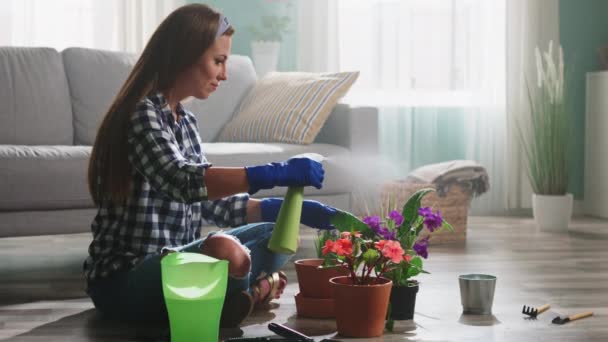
(583, 29)
(245, 13)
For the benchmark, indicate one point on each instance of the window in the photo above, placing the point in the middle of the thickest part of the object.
(109, 24)
(424, 52)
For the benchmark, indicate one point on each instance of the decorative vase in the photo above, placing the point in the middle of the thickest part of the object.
(265, 55)
(315, 299)
(403, 301)
(360, 309)
(552, 213)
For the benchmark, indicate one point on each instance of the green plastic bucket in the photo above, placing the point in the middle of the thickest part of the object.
(194, 287)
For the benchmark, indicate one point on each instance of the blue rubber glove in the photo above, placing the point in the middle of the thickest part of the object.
(314, 214)
(293, 172)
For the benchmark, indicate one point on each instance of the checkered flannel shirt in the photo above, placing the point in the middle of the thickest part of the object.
(168, 201)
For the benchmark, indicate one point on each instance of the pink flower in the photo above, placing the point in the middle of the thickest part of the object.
(380, 244)
(347, 235)
(407, 258)
(343, 247)
(329, 247)
(393, 251)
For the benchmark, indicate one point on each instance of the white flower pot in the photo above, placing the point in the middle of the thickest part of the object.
(552, 213)
(265, 56)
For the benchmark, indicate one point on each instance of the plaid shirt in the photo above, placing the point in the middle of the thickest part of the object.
(168, 201)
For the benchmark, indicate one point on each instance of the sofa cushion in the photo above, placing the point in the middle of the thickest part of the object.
(244, 154)
(44, 177)
(288, 107)
(94, 78)
(55, 177)
(35, 101)
(214, 112)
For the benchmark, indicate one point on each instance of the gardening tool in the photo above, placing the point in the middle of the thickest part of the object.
(284, 331)
(194, 287)
(289, 333)
(533, 312)
(559, 320)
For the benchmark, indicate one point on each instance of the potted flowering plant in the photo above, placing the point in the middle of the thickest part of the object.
(407, 228)
(381, 253)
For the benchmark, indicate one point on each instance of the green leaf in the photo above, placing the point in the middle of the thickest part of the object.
(446, 226)
(413, 271)
(416, 261)
(390, 323)
(347, 222)
(410, 208)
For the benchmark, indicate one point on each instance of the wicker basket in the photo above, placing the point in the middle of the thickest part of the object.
(454, 206)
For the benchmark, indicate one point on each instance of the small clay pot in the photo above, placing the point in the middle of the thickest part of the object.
(314, 281)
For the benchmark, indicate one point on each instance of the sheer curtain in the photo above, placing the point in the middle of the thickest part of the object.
(121, 25)
(436, 71)
(530, 24)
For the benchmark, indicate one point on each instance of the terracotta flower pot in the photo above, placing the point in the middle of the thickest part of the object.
(314, 307)
(314, 281)
(360, 309)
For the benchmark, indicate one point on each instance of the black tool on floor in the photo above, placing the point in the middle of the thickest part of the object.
(533, 312)
(261, 339)
(284, 331)
(559, 320)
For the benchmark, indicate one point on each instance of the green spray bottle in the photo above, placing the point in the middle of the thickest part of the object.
(286, 231)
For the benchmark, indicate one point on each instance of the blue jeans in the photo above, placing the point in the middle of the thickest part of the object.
(137, 294)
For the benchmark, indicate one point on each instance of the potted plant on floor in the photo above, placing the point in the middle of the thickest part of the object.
(407, 226)
(315, 299)
(378, 253)
(545, 137)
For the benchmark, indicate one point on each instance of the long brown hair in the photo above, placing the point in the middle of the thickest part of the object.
(176, 45)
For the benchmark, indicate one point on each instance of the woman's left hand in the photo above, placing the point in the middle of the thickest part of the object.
(314, 213)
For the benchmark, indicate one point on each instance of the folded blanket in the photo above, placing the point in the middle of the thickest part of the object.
(466, 173)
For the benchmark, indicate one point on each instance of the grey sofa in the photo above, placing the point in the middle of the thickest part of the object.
(52, 102)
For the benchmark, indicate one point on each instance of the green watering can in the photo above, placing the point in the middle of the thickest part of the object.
(194, 287)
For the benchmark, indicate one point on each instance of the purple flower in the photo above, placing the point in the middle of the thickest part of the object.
(420, 247)
(431, 220)
(386, 233)
(396, 217)
(372, 221)
(425, 211)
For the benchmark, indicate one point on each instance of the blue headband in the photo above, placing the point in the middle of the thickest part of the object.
(222, 27)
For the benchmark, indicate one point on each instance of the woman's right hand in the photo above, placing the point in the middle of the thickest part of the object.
(292, 172)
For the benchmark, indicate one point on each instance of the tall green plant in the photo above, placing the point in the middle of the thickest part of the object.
(546, 133)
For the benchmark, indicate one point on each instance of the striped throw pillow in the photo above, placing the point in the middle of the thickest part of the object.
(287, 107)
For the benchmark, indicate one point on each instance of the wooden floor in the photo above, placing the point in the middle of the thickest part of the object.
(41, 297)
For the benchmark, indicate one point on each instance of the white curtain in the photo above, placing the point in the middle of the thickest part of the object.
(317, 36)
(530, 23)
(120, 25)
(436, 71)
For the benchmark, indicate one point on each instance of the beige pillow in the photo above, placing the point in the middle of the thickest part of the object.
(287, 107)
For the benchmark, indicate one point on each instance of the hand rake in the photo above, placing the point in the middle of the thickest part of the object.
(533, 312)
